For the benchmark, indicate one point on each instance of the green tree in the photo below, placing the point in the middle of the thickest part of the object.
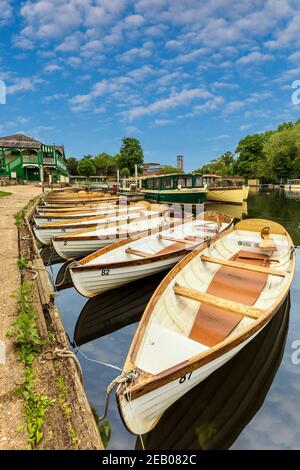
(167, 169)
(131, 154)
(125, 172)
(86, 167)
(105, 163)
(251, 155)
(72, 165)
(222, 166)
(283, 152)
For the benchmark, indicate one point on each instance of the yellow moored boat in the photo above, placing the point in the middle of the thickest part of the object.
(230, 194)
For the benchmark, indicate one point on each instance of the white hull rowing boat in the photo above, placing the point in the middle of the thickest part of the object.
(112, 211)
(214, 302)
(142, 256)
(45, 232)
(83, 242)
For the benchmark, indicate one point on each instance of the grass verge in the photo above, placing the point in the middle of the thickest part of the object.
(19, 216)
(4, 193)
(28, 344)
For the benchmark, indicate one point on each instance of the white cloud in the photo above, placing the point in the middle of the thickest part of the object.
(141, 72)
(254, 57)
(163, 122)
(176, 99)
(245, 127)
(134, 20)
(56, 97)
(23, 84)
(224, 85)
(50, 68)
(194, 55)
(295, 57)
(137, 53)
(70, 43)
(287, 36)
(132, 130)
(6, 11)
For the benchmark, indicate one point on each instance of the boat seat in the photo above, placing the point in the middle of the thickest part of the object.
(164, 348)
(173, 247)
(213, 324)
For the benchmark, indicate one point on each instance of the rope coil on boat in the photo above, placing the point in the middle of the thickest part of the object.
(122, 378)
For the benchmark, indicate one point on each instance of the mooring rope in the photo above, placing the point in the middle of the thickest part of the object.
(50, 354)
(122, 378)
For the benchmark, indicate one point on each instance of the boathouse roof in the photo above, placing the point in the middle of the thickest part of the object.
(25, 141)
(19, 140)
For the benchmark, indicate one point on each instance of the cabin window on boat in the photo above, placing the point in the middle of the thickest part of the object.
(149, 184)
(156, 183)
(167, 183)
(185, 182)
(198, 181)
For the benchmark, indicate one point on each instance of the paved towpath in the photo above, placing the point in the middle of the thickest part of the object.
(11, 371)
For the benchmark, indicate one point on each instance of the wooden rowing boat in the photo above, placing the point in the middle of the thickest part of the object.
(45, 232)
(214, 413)
(61, 203)
(89, 207)
(112, 210)
(74, 195)
(141, 256)
(212, 303)
(83, 242)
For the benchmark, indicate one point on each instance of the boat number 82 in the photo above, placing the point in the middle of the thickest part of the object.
(105, 272)
(185, 377)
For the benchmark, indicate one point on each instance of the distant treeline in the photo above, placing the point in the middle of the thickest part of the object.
(130, 154)
(270, 156)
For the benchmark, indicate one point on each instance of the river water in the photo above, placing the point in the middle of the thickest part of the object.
(250, 403)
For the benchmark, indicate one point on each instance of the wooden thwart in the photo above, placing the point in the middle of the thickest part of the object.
(219, 302)
(174, 239)
(132, 251)
(248, 267)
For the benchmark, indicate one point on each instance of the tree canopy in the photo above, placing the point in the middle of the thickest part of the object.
(105, 164)
(72, 165)
(271, 156)
(167, 169)
(221, 166)
(125, 172)
(86, 167)
(131, 154)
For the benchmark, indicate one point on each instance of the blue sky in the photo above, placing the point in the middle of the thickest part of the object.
(186, 77)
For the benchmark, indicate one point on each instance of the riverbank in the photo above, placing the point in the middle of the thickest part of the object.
(55, 414)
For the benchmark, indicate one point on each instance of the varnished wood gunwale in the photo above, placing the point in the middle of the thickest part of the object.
(149, 382)
(90, 222)
(174, 223)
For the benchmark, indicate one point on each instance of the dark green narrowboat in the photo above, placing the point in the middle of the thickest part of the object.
(175, 188)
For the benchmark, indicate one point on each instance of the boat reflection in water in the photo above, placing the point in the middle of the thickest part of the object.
(233, 210)
(213, 414)
(49, 256)
(63, 277)
(115, 309)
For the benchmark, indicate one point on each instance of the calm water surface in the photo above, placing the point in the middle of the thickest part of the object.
(250, 403)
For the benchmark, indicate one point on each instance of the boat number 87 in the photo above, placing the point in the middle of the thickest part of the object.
(105, 272)
(185, 377)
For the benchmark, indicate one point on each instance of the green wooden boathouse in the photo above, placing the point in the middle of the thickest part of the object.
(28, 159)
